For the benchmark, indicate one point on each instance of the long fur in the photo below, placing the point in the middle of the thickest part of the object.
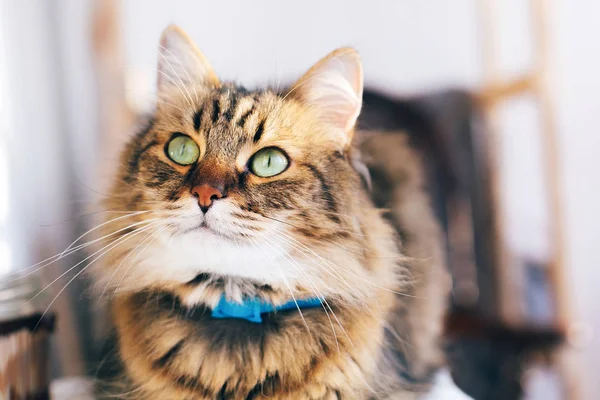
(311, 231)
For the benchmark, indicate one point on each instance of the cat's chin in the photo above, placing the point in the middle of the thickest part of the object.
(183, 256)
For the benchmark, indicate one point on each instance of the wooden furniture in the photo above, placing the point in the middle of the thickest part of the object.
(505, 326)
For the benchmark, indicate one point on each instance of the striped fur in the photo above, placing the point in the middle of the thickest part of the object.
(312, 230)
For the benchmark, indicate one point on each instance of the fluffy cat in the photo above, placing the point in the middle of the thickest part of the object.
(236, 196)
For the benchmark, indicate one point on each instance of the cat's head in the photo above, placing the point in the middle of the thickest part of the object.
(247, 192)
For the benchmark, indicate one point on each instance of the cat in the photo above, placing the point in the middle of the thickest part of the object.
(251, 262)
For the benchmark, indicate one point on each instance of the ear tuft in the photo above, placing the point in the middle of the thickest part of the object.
(333, 87)
(180, 62)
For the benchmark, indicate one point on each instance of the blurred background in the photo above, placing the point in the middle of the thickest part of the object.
(508, 88)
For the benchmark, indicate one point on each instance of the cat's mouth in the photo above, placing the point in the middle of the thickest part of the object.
(204, 227)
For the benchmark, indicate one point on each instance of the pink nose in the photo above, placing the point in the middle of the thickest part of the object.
(206, 195)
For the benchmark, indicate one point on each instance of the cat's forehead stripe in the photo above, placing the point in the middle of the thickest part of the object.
(198, 119)
(216, 109)
(227, 109)
(245, 114)
(232, 106)
(259, 131)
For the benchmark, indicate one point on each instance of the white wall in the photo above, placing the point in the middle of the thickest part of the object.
(257, 42)
(577, 60)
(32, 130)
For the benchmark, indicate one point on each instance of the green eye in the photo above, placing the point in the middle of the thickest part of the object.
(183, 150)
(268, 162)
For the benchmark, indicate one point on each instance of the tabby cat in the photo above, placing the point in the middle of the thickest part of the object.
(252, 262)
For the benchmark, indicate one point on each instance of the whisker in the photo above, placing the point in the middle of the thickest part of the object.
(122, 261)
(304, 251)
(51, 260)
(124, 238)
(341, 279)
(289, 289)
(318, 293)
(114, 243)
(325, 240)
(325, 301)
(75, 249)
(104, 224)
(347, 270)
(110, 210)
(154, 236)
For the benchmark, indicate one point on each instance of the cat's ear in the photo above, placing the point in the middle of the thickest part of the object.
(333, 88)
(180, 63)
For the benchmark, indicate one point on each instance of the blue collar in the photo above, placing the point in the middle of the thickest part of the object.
(251, 309)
